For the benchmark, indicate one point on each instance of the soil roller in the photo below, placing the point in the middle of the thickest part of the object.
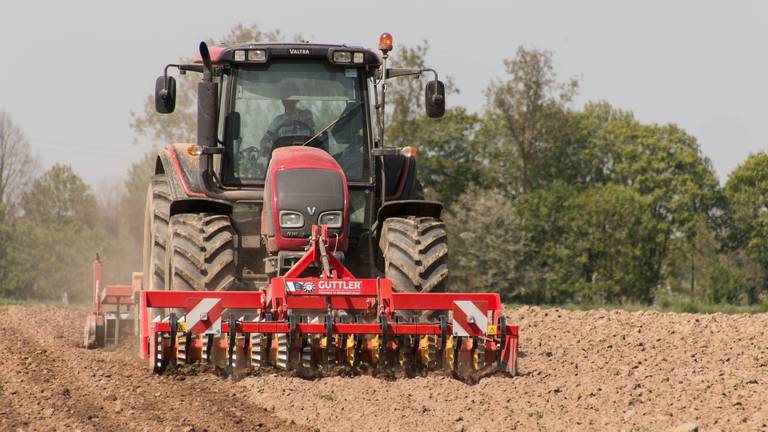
(327, 323)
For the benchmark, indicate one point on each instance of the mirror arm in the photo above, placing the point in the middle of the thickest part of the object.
(182, 68)
(430, 70)
(164, 91)
(401, 72)
(435, 97)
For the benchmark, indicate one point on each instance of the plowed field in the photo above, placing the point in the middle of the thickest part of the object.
(597, 370)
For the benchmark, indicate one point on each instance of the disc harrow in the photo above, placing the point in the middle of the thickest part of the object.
(316, 325)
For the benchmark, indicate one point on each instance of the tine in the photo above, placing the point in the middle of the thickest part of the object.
(182, 346)
(350, 352)
(282, 351)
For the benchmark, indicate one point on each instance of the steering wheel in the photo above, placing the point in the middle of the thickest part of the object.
(250, 155)
(293, 123)
(291, 140)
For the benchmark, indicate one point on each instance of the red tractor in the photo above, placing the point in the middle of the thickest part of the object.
(289, 136)
(290, 207)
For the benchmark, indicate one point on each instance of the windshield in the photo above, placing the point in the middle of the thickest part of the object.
(290, 103)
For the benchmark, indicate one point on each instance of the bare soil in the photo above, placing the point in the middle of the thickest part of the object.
(595, 370)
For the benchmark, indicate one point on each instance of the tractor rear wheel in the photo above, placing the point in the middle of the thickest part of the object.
(156, 233)
(202, 252)
(415, 252)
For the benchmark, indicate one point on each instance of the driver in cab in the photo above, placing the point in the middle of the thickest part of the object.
(294, 121)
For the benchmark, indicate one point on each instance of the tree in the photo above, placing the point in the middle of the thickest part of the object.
(609, 243)
(17, 164)
(54, 240)
(747, 194)
(663, 164)
(60, 197)
(485, 237)
(523, 118)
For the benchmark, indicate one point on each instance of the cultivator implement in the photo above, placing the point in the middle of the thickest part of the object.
(328, 323)
(112, 310)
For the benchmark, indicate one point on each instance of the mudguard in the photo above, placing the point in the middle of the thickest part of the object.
(182, 171)
(187, 191)
(401, 183)
(406, 208)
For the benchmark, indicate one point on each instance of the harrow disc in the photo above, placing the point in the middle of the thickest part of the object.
(306, 354)
(258, 350)
(281, 348)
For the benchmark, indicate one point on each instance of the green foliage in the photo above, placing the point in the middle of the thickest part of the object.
(747, 194)
(524, 126)
(449, 160)
(60, 197)
(611, 240)
(598, 199)
(51, 245)
(486, 239)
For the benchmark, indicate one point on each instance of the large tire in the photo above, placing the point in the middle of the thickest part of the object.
(156, 221)
(202, 253)
(415, 252)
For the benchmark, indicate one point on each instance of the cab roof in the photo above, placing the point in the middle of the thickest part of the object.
(225, 54)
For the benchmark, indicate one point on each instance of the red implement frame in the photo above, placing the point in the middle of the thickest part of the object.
(335, 289)
(108, 300)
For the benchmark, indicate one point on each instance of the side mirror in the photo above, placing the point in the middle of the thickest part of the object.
(434, 100)
(165, 97)
(232, 127)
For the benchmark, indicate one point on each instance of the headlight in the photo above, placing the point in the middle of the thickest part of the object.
(254, 55)
(291, 219)
(342, 57)
(257, 55)
(331, 219)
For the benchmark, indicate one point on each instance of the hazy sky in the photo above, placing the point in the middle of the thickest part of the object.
(72, 71)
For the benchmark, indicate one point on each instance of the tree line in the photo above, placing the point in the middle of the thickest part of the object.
(546, 202)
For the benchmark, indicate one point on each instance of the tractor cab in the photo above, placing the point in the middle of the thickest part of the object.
(279, 95)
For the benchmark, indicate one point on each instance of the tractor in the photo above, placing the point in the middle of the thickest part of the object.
(290, 136)
(291, 212)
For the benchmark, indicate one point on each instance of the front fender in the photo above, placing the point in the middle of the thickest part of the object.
(200, 205)
(182, 171)
(405, 208)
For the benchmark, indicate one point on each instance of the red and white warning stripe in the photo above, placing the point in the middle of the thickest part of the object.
(204, 316)
(469, 318)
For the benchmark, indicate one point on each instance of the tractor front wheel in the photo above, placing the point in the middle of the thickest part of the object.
(415, 252)
(202, 252)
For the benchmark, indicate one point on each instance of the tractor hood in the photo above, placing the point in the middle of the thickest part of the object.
(304, 186)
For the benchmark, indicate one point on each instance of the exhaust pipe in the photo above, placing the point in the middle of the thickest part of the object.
(207, 102)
